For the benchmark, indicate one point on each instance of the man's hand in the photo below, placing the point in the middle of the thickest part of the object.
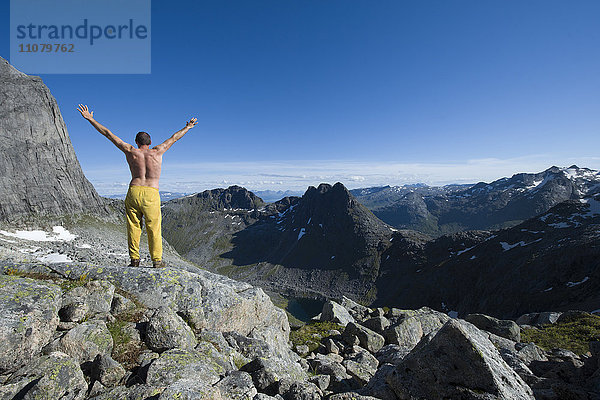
(85, 113)
(191, 123)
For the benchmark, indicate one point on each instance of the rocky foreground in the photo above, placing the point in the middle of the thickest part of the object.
(82, 331)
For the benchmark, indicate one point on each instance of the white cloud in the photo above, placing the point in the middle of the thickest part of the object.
(299, 174)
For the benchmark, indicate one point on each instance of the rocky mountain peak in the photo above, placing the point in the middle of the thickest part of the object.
(7, 70)
(40, 171)
(233, 197)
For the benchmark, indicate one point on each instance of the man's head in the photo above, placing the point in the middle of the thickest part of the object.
(142, 138)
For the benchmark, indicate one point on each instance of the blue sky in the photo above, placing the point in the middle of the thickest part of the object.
(295, 93)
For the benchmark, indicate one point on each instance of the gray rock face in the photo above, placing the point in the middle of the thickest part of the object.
(406, 333)
(107, 371)
(358, 311)
(29, 317)
(84, 342)
(303, 391)
(136, 392)
(72, 313)
(120, 304)
(36, 152)
(55, 376)
(458, 362)
(190, 389)
(177, 364)
(226, 305)
(334, 312)
(368, 339)
(237, 386)
(378, 386)
(96, 295)
(166, 330)
(542, 318)
(329, 365)
(505, 328)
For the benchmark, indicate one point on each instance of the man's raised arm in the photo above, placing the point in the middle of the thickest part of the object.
(89, 115)
(164, 146)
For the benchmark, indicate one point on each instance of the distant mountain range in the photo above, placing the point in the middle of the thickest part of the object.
(503, 203)
(327, 244)
(164, 196)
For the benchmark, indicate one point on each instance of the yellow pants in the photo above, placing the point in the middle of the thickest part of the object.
(143, 201)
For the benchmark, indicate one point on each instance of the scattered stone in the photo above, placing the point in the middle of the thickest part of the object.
(334, 312)
(237, 386)
(107, 371)
(84, 342)
(538, 319)
(54, 376)
(262, 396)
(65, 326)
(368, 339)
(330, 346)
(166, 330)
(505, 328)
(303, 391)
(302, 350)
(377, 324)
(358, 311)
(265, 374)
(97, 295)
(572, 315)
(407, 333)
(121, 304)
(327, 365)
(377, 386)
(321, 380)
(28, 319)
(73, 312)
(531, 353)
(176, 364)
(131, 393)
(391, 354)
(361, 365)
(191, 389)
(350, 396)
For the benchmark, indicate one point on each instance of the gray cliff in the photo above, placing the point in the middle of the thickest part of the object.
(39, 172)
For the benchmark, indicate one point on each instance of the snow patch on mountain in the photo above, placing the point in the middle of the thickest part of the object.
(58, 233)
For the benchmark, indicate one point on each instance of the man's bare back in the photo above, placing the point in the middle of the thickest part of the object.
(145, 165)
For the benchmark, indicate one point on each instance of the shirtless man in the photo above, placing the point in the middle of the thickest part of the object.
(143, 199)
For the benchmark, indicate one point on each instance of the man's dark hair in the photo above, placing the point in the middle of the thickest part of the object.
(142, 138)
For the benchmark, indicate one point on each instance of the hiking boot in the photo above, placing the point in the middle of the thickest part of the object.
(158, 264)
(134, 263)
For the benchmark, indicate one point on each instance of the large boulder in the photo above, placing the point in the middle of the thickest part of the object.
(28, 319)
(166, 330)
(96, 295)
(505, 328)
(406, 333)
(107, 371)
(367, 338)
(84, 342)
(543, 318)
(237, 386)
(190, 389)
(334, 312)
(40, 172)
(177, 364)
(55, 376)
(458, 361)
